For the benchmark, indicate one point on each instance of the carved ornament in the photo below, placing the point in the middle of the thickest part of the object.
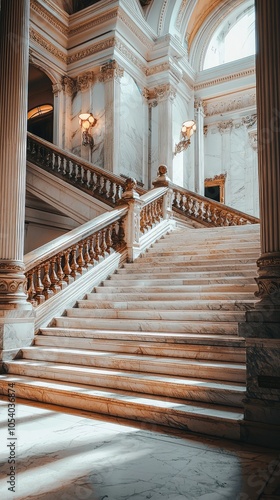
(249, 120)
(85, 80)
(225, 126)
(56, 88)
(45, 14)
(93, 49)
(161, 93)
(124, 49)
(222, 79)
(180, 13)
(35, 37)
(82, 27)
(253, 139)
(69, 85)
(110, 71)
(232, 104)
(269, 276)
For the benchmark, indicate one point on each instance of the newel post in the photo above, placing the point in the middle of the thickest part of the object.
(163, 180)
(132, 224)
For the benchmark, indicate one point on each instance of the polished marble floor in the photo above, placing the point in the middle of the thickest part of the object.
(65, 455)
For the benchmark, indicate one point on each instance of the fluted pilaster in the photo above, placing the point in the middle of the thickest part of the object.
(13, 110)
(268, 110)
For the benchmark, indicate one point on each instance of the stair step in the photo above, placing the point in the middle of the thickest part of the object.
(216, 420)
(235, 354)
(149, 337)
(192, 266)
(128, 273)
(204, 252)
(181, 305)
(151, 281)
(190, 296)
(226, 287)
(169, 315)
(148, 325)
(199, 260)
(179, 367)
(193, 246)
(192, 389)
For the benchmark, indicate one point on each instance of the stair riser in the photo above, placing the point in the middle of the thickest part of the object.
(196, 246)
(137, 412)
(149, 326)
(212, 353)
(149, 338)
(152, 387)
(190, 267)
(205, 253)
(199, 260)
(180, 305)
(126, 274)
(229, 316)
(130, 281)
(146, 366)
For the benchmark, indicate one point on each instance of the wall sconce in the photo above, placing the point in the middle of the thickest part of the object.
(187, 130)
(87, 121)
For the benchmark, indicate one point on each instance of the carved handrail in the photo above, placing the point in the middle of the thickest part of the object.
(55, 265)
(206, 211)
(91, 179)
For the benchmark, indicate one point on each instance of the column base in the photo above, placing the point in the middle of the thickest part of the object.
(16, 331)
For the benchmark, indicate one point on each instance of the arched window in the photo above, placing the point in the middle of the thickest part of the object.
(233, 40)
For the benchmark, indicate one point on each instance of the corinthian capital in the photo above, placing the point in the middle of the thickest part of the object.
(110, 70)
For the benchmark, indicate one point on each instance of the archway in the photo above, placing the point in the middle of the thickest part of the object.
(40, 104)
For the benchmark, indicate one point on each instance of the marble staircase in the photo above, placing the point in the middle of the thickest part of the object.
(158, 340)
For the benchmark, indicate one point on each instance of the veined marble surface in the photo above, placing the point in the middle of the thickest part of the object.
(67, 455)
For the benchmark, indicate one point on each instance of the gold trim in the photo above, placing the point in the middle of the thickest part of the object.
(218, 180)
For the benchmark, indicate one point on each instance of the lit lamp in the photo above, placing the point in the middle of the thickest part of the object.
(87, 121)
(187, 130)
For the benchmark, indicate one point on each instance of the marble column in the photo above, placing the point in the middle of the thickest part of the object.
(111, 74)
(262, 327)
(165, 95)
(16, 324)
(199, 174)
(58, 115)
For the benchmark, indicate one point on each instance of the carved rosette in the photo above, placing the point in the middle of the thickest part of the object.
(269, 279)
(12, 283)
(110, 71)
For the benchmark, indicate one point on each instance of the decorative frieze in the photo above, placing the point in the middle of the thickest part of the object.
(129, 55)
(50, 18)
(269, 277)
(110, 71)
(43, 42)
(97, 21)
(218, 107)
(93, 49)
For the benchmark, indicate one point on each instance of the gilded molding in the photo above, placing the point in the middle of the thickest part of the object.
(34, 35)
(97, 47)
(110, 71)
(227, 78)
(50, 18)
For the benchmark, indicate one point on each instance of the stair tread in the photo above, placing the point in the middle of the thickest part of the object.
(166, 378)
(125, 397)
(137, 357)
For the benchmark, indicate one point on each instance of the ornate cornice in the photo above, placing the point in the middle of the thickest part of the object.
(47, 45)
(223, 79)
(110, 71)
(129, 55)
(219, 107)
(160, 68)
(50, 18)
(93, 49)
(80, 28)
(136, 30)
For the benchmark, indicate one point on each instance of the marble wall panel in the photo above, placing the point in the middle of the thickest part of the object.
(98, 132)
(132, 129)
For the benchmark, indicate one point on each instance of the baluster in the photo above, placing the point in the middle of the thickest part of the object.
(103, 245)
(31, 291)
(97, 249)
(114, 235)
(91, 250)
(67, 268)
(109, 241)
(86, 254)
(39, 287)
(97, 184)
(66, 170)
(60, 274)
(39, 154)
(80, 259)
(142, 220)
(53, 277)
(118, 193)
(90, 179)
(85, 176)
(49, 160)
(47, 282)
(74, 265)
(182, 200)
(104, 188)
(55, 162)
(111, 192)
(121, 233)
